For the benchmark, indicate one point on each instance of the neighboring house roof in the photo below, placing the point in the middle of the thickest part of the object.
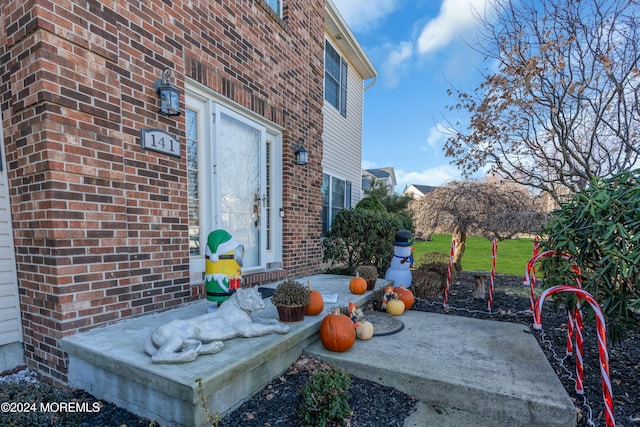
(338, 29)
(424, 189)
(385, 175)
(418, 190)
(378, 173)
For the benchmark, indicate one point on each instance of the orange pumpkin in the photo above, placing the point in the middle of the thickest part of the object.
(406, 296)
(316, 303)
(358, 285)
(337, 332)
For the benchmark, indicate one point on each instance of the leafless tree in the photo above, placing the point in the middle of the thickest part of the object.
(491, 209)
(559, 104)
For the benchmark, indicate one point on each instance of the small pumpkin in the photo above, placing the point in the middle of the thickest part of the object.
(406, 296)
(364, 331)
(316, 303)
(358, 285)
(337, 332)
(395, 307)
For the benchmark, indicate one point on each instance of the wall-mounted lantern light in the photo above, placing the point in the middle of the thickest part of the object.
(168, 93)
(302, 155)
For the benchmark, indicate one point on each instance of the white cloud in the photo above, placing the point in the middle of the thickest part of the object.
(363, 15)
(366, 164)
(435, 139)
(396, 63)
(435, 176)
(456, 18)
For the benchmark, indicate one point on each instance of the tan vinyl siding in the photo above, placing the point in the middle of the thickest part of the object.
(10, 329)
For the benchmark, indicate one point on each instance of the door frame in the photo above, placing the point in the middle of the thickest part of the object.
(204, 100)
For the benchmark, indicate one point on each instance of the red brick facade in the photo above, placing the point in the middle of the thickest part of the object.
(100, 225)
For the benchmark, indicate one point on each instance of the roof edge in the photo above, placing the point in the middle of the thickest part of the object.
(347, 42)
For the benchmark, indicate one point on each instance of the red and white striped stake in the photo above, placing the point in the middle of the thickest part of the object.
(579, 363)
(534, 253)
(602, 341)
(573, 317)
(446, 289)
(530, 277)
(494, 252)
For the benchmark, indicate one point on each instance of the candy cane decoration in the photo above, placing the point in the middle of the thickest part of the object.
(494, 252)
(530, 279)
(579, 363)
(602, 341)
(574, 316)
(534, 253)
(446, 289)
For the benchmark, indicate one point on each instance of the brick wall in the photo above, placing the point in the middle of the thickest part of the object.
(100, 225)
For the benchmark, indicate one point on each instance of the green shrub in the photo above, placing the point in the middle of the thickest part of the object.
(325, 398)
(406, 220)
(361, 237)
(372, 204)
(600, 229)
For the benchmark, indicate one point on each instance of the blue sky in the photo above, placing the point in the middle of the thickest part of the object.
(420, 50)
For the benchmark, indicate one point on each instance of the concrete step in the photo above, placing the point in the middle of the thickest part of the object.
(462, 369)
(435, 415)
(111, 364)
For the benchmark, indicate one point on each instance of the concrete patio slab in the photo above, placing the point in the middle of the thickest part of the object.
(493, 370)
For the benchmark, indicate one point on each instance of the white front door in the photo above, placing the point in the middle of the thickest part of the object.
(239, 182)
(235, 182)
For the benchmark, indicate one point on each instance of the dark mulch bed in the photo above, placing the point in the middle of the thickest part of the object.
(374, 405)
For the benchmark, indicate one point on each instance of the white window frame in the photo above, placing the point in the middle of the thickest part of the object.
(348, 188)
(340, 80)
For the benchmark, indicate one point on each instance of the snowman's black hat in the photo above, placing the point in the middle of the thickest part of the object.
(403, 238)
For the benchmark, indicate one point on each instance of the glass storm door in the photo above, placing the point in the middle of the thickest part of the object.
(239, 173)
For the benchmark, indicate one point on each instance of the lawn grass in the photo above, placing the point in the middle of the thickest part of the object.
(511, 258)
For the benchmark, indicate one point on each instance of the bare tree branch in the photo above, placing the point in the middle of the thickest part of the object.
(560, 105)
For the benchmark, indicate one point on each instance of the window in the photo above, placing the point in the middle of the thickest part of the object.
(335, 79)
(336, 196)
(191, 118)
(276, 5)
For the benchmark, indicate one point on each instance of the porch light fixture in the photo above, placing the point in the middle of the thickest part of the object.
(302, 155)
(168, 93)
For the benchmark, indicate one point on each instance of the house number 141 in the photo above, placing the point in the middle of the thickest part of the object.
(160, 141)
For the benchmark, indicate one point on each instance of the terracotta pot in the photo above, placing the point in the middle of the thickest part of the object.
(371, 284)
(291, 313)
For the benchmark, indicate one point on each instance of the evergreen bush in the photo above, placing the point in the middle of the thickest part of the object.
(361, 237)
(600, 229)
(372, 204)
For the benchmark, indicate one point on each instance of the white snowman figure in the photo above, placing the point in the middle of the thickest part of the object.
(400, 269)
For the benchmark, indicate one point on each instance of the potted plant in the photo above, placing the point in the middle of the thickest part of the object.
(290, 298)
(370, 274)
